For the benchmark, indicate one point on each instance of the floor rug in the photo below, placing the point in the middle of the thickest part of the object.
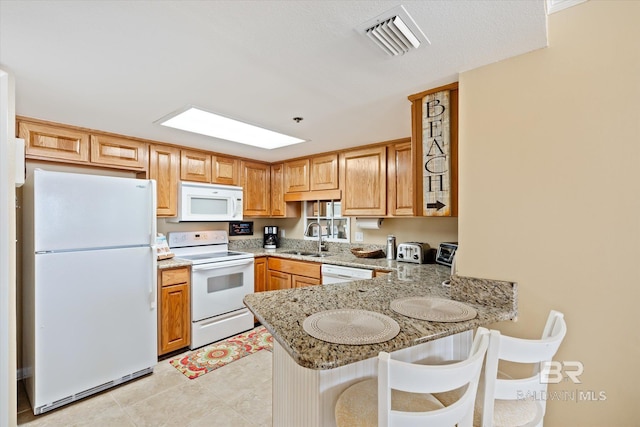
(218, 354)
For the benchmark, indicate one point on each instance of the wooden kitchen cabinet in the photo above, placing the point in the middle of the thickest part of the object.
(225, 170)
(73, 145)
(164, 167)
(324, 172)
(296, 176)
(280, 208)
(260, 274)
(400, 178)
(120, 152)
(363, 177)
(174, 309)
(286, 273)
(278, 205)
(256, 178)
(195, 166)
(51, 142)
(311, 174)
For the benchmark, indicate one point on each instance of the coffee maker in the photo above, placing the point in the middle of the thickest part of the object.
(271, 237)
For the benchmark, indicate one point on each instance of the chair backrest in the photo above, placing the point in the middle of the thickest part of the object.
(416, 378)
(538, 352)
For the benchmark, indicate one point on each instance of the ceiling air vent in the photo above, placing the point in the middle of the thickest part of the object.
(394, 31)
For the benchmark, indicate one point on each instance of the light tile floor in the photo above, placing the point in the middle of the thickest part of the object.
(238, 394)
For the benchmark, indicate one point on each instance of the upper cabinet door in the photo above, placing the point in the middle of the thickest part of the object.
(400, 179)
(225, 170)
(280, 208)
(256, 179)
(277, 190)
(195, 166)
(164, 167)
(324, 172)
(296, 176)
(53, 142)
(119, 152)
(363, 174)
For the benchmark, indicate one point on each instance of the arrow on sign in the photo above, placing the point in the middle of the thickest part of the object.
(437, 205)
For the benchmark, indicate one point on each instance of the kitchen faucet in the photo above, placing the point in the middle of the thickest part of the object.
(306, 233)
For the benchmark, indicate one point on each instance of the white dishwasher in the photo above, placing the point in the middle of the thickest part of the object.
(340, 274)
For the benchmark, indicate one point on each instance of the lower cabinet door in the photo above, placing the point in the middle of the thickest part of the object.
(277, 280)
(175, 318)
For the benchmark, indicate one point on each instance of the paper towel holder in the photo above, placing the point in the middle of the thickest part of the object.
(369, 223)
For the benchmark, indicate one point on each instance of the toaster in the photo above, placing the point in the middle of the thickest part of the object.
(415, 252)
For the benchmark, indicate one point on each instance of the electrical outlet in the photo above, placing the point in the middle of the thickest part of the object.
(282, 233)
(359, 236)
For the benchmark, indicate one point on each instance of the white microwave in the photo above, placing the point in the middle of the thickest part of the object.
(208, 202)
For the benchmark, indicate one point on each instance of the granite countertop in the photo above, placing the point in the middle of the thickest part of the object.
(283, 312)
(173, 263)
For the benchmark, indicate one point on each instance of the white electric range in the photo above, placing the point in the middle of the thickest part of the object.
(219, 281)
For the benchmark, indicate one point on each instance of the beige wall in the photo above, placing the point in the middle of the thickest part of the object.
(550, 197)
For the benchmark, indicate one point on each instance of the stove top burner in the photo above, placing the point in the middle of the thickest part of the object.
(203, 247)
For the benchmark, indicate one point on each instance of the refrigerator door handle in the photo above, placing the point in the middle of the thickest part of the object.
(154, 226)
(154, 278)
(154, 248)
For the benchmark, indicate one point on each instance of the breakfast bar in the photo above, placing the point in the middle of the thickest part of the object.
(310, 373)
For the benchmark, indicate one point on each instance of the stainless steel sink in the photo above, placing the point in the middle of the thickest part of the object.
(303, 253)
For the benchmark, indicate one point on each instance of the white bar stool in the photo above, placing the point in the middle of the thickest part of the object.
(402, 393)
(521, 402)
(504, 401)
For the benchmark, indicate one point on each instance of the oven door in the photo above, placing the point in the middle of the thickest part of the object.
(219, 287)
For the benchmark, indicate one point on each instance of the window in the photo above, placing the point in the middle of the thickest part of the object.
(335, 228)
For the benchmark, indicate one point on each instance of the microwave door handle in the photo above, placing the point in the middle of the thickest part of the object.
(235, 207)
(221, 264)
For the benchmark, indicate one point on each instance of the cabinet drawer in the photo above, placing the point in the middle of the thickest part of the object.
(301, 281)
(300, 268)
(174, 276)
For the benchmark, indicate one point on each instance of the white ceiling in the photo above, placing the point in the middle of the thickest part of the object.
(118, 66)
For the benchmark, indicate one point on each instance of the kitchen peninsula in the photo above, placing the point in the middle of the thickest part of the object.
(309, 374)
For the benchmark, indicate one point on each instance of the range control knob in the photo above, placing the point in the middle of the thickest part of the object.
(415, 256)
(400, 256)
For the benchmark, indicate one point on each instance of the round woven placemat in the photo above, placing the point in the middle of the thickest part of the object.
(433, 309)
(349, 326)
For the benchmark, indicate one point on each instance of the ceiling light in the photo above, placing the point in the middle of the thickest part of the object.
(394, 31)
(196, 120)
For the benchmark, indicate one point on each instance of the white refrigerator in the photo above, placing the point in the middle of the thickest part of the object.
(89, 284)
